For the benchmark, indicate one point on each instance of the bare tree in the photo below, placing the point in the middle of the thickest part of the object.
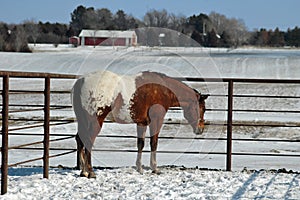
(155, 18)
(219, 22)
(235, 28)
(32, 30)
(19, 39)
(239, 32)
(176, 22)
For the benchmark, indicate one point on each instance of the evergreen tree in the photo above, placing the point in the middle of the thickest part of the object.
(120, 21)
(292, 37)
(200, 23)
(263, 37)
(78, 21)
(277, 38)
(212, 38)
(225, 40)
(105, 19)
(197, 37)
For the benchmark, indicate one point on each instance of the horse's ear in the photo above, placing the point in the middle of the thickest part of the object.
(203, 97)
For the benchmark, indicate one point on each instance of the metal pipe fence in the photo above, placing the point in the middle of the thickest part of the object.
(47, 121)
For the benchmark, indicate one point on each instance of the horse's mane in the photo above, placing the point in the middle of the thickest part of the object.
(196, 91)
(162, 75)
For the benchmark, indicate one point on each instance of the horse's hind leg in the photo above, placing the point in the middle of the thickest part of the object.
(94, 129)
(81, 157)
(141, 131)
(85, 140)
(80, 153)
(89, 168)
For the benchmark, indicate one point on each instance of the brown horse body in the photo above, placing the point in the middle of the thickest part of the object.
(143, 99)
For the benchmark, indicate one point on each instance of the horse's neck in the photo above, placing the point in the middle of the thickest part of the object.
(181, 93)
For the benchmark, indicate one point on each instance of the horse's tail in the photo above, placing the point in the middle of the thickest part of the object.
(86, 122)
(77, 105)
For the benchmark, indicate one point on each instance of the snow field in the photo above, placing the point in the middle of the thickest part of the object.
(172, 183)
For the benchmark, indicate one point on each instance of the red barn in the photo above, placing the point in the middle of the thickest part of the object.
(107, 38)
(74, 41)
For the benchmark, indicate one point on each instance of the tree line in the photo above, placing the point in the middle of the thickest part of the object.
(212, 30)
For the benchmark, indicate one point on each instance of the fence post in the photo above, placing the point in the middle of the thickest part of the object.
(46, 126)
(4, 149)
(229, 126)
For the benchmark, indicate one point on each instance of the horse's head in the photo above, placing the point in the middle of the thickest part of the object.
(194, 113)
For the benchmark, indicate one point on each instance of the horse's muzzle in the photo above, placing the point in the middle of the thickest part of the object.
(199, 130)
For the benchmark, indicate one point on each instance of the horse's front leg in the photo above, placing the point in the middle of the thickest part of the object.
(156, 114)
(141, 131)
(153, 163)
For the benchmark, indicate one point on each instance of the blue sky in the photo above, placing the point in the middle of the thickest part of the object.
(255, 13)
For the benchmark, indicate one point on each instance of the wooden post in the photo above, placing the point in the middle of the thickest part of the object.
(4, 149)
(229, 126)
(46, 126)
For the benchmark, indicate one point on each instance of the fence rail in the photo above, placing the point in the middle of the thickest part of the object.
(46, 121)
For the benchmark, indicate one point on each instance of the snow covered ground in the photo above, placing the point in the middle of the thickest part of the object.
(124, 182)
(172, 183)
(199, 62)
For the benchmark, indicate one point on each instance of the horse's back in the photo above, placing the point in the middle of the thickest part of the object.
(101, 89)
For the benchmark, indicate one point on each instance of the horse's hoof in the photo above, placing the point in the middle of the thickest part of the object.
(156, 171)
(92, 175)
(84, 174)
(140, 170)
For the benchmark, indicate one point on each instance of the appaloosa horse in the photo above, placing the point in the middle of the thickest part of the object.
(143, 99)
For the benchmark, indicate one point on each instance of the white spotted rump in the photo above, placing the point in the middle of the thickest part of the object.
(100, 89)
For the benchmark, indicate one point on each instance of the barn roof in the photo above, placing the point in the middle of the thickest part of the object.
(106, 33)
